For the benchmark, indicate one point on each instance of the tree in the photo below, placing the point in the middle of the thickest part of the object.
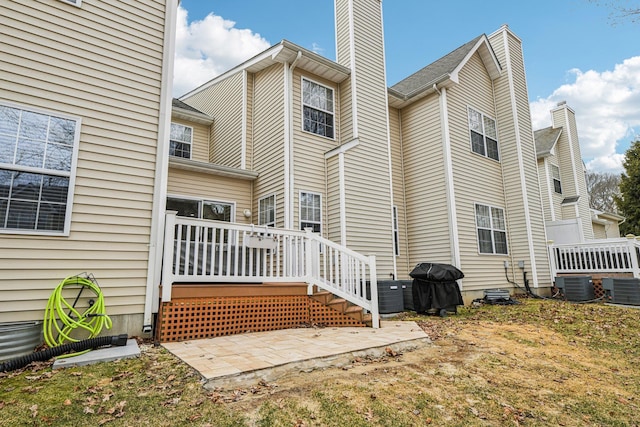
(621, 10)
(601, 188)
(628, 201)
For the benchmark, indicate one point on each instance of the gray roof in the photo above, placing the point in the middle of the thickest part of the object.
(176, 103)
(435, 71)
(571, 199)
(545, 140)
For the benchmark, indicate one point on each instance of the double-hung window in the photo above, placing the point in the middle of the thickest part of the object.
(267, 211)
(492, 229)
(38, 156)
(317, 108)
(484, 137)
(311, 211)
(180, 141)
(555, 177)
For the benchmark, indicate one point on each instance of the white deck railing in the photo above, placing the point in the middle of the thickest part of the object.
(204, 251)
(605, 256)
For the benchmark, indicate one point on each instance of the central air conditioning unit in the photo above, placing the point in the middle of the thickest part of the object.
(575, 288)
(622, 290)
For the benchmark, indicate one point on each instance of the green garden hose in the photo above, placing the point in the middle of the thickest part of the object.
(64, 323)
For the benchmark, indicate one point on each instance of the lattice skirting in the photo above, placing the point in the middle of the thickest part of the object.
(197, 318)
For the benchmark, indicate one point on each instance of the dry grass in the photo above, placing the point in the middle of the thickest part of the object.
(538, 363)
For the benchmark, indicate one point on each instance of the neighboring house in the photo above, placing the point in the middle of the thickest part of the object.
(85, 98)
(440, 167)
(563, 184)
(606, 225)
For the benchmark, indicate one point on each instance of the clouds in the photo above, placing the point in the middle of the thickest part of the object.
(209, 47)
(607, 111)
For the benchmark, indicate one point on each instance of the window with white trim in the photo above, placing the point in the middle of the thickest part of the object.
(267, 211)
(555, 178)
(317, 109)
(180, 141)
(396, 233)
(492, 229)
(38, 155)
(202, 209)
(484, 136)
(311, 211)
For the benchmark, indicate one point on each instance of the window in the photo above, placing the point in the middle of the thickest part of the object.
(311, 211)
(396, 234)
(555, 176)
(317, 106)
(267, 211)
(74, 2)
(180, 141)
(492, 232)
(484, 139)
(38, 154)
(203, 209)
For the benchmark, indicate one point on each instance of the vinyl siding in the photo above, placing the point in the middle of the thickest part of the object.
(397, 167)
(212, 187)
(103, 63)
(577, 185)
(309, 148)
(475, 90)
(332, 200)
(512, 171)
(368, 189)
(200, 140)
(343, 51)
(249, 123)
(268, 137)
(223, 102)
(425, 183)
(599, 231)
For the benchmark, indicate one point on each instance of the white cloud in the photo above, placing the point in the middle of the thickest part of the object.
(207, 48)
(606, 106)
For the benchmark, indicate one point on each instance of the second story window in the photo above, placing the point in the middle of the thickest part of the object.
(555, 177)
(317, 106)
(180, 141)
(484, 137)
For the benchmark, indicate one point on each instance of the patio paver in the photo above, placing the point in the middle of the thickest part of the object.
(242, 360)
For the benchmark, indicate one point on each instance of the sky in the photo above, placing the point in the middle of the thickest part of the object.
(579, 51)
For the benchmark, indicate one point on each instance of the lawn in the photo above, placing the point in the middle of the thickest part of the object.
(537, 363)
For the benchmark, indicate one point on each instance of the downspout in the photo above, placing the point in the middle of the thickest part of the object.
(156, 236)
(289, 152)
(454, 239)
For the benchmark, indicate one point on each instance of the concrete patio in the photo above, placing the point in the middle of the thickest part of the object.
(243, 360)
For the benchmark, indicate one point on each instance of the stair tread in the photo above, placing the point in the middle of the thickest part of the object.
(353, 309)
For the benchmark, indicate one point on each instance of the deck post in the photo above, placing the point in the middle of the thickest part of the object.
(309, 257)
(633, 254)
(168, 257)
(552, 259)
(373, 278)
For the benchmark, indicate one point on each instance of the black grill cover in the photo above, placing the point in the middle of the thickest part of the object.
(434, 272)
(435, 287)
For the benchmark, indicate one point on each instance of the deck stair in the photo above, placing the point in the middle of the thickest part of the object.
(342, 306)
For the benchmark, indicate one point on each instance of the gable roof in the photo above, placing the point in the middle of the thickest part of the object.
(284, 52)
(545, 140)
(444, 69)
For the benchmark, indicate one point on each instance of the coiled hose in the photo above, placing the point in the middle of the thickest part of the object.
(64, 323)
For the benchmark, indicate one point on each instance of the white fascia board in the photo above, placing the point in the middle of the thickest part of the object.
(266, 58)
(489, 59)
(211, 168)
(191, 116)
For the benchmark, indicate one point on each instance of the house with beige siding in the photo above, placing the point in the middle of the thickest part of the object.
(278, 193)
(563, 186)
(85, 105)
(393, 172)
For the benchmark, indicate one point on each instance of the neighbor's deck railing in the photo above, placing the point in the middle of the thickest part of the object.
(207, 251)
(606, 256)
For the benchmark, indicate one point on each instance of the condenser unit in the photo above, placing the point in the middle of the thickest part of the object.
(622, 290)
(575, 288)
